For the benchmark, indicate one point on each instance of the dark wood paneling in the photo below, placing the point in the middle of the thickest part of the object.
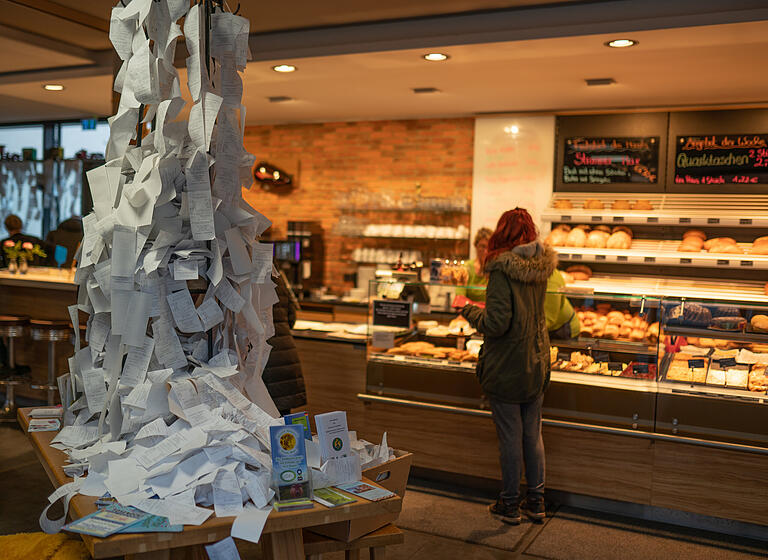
(721, 483)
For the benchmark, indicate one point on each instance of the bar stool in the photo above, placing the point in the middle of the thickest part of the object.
(51, 332)
(11, 328)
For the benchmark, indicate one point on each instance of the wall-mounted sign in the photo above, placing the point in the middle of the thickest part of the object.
(272, 178)
(721, 159)
(605, 160)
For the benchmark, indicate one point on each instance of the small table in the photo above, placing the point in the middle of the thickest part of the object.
(281, 539)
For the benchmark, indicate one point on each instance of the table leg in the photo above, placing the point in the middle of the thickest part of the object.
(283, 545)
(378, 552)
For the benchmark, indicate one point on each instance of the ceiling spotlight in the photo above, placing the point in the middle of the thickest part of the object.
(514, 129)
(53, 87)
(621, 43)
(284, 68)
(436, 57)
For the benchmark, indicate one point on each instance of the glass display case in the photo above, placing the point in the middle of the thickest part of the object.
(713, 382)
(669, 365)
(606, 375)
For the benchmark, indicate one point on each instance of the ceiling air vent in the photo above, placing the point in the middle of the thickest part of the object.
(279, 99)
(600, 81)
(425, 90)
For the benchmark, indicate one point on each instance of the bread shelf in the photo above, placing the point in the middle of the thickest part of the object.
(438, 363)
(610, 382)
(739, 336)
(664, 253)
(745, 211)
(670, 287)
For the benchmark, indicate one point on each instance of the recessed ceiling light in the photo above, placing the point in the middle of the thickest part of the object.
(621, 43)
(514, 129)
(53, 87)
(284, 68)
(436, 57)
(426, 90)
(279, 99)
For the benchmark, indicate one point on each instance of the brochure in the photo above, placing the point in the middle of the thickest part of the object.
(365, 490)
(107, 521)
(290, 474)
(333, 433)
(44, 424)
(153, 524)
(301, 418)
(331, 498)
(294, 504)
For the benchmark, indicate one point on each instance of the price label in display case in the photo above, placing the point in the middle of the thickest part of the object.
(615, 366)
(727, 362)
(392, 313)
(694, 364)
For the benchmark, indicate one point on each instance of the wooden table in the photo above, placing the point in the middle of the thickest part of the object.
(281, 539)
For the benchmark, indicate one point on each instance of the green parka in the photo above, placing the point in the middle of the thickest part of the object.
(514, 360)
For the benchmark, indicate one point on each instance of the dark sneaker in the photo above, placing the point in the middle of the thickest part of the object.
(535, 510)
(508, 513)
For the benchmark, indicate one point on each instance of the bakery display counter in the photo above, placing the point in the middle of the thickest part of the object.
(40, 277)
(733, 211)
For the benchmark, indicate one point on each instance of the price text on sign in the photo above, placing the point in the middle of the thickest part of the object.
(721, 159)
(392, 313)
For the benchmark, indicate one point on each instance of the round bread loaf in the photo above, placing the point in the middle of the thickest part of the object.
(621, 205)
(594, 204)
(580, 269)
(695, 233)
(576, 238)
(642, 205)
(563, 204)
(625, 229)
(611, 331)
(759, 323)
(727, 247)
(557, 238)
(761, 240)
(759, 249)
(719, 240)
(686, 247)
(597, 239)
(606, 229)
(619, 240)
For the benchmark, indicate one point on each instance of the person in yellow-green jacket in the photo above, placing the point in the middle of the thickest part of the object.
(562, 321)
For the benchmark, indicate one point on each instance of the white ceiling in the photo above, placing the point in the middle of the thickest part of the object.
(712, 65)
(691, 66)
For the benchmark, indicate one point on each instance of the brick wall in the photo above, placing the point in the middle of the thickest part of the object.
(331, 162)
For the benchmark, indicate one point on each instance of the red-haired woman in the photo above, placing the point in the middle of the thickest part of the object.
(514, 361)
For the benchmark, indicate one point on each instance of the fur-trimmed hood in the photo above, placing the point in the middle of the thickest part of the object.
(532, 262)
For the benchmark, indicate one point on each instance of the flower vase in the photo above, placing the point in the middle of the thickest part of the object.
(12, 267)
(23, 265)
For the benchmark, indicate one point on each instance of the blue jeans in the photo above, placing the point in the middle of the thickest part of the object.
(518, 427)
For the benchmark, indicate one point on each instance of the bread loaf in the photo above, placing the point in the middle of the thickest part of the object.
(597, 239)
(579, 272)
(759, 249)
(758, 379)
(726, 248)
(557, 238)
(642, 205)
(759, 323)
(686, 247)
(606, 229)
(625, 229)
(594, 204)
(621, 205)
(619, 240)
(563, 204)
(719, 240)
(695, 233)
(576, 238)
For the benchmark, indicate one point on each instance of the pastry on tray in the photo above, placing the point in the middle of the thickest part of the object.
(758, 379)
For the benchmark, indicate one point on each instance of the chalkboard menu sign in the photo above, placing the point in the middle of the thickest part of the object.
(601, 161)
(721, 159)
(392, 313)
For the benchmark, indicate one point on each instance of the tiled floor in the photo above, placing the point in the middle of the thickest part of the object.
(439, 524)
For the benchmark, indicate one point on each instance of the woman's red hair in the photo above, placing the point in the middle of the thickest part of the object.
(515, 227)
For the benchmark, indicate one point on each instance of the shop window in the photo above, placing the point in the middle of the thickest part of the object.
(15, 138)
(74, 138)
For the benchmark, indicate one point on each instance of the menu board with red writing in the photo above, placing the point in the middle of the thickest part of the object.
(602, 161)
(721, 159)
